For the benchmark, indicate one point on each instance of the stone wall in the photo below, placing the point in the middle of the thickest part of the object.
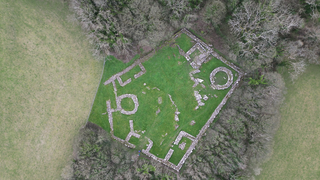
(206, 52)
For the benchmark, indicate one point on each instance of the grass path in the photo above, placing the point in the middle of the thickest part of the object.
(48, 81)
(297, 142)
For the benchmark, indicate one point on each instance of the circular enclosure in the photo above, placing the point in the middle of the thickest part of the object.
(134, 99)
(224, 86)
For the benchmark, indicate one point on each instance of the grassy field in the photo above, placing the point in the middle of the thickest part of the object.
(48, 82)
(167, 73)
(297, 143)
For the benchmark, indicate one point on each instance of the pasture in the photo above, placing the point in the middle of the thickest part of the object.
(48, 82)
(296, 150)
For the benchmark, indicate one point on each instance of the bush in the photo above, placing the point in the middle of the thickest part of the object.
(258, 26)
(258, 81)
(214, 12)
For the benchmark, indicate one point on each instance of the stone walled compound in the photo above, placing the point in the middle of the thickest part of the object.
(205, 53)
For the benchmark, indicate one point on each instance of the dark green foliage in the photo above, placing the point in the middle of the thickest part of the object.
(147, 169)
(257, 81)
(310, 7)
(195, 4)
(283, 63)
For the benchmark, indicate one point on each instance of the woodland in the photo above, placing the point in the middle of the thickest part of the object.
(258, 36)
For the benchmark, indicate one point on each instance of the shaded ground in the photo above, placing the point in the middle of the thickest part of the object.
(296, 150)
(48, 81)
(211, 36)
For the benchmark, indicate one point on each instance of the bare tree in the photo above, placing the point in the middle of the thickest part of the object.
(213, 12)
(178, 7)
(297, 68)
(258, 25)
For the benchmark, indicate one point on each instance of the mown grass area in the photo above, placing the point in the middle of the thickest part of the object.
(48, 82)
(167, 74)
(296, 152)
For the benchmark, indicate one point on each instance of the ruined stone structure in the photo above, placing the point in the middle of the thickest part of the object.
(196, 63)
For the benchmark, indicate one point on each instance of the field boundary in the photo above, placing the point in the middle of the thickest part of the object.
(104, 62)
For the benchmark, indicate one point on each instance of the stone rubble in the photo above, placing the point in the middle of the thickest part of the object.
(158, 111)
(199, 80)
(196, 82)
(198, 98)
(161, 143)
(164, 135)
(198, 60)
(176, 113)
(176, 117)
(182, 145)
(192, 122)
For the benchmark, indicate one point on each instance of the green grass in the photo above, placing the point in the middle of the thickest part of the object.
(296, 151)
(168, 71)
(178, 153)
(185, 42)
(221, 78)
(127, 104)
(48, 82)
